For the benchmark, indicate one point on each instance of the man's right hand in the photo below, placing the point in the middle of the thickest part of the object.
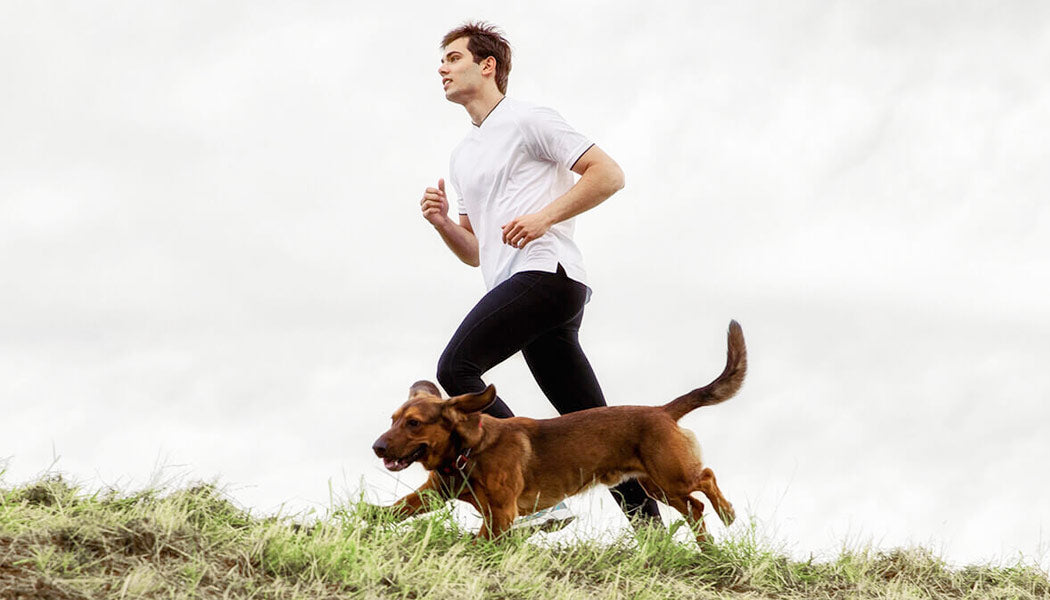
(435, 204)
(459, 237)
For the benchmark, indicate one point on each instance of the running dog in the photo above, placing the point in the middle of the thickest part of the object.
(508, 467)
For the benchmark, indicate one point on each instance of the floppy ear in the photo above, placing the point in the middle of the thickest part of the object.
(423, 388)
(464, 414)
(471, 403)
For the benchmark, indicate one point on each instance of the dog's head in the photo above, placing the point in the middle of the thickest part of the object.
(430, 430)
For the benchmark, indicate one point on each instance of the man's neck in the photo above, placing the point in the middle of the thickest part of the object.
(479, 107)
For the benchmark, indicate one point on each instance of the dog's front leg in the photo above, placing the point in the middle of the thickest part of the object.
(427, 498)
(497, 520)
(497, 504)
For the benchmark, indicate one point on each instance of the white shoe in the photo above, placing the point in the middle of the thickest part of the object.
(548, 519)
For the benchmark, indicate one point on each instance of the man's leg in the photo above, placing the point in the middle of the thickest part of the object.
(503, 322)
(565, 375)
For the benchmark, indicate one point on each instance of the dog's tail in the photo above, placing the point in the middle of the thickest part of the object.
(722, 388)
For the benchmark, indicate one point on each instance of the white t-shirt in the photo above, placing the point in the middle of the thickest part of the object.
(515, 163)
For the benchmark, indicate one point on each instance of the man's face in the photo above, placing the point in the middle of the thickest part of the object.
(460, 75)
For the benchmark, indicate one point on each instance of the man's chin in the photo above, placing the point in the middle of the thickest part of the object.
(452, 96)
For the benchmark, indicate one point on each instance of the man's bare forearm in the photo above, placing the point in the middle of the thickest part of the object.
(459, 237)
(460, 240)
(600, 177)
(595, 186)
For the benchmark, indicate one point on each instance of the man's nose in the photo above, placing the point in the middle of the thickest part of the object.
(380, 448)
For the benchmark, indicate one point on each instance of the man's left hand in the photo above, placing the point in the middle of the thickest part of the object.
(524, 229)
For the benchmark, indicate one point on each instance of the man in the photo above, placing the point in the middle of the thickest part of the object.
(516, 206)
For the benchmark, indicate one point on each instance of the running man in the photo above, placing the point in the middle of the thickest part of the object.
(516, 201)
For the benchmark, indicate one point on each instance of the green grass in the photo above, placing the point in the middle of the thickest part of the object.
(58, 541)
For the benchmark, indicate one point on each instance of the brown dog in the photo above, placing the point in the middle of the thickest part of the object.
(508, 467)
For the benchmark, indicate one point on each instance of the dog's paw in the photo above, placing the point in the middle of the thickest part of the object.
(727, 514)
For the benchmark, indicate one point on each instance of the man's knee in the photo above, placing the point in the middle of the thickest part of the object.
(454, 376)
(445, 378)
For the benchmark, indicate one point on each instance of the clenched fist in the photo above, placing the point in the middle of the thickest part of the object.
(435, 204)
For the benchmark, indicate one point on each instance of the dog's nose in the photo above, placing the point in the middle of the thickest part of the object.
(379, 448)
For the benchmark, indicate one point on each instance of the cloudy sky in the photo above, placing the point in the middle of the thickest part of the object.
(212, 264)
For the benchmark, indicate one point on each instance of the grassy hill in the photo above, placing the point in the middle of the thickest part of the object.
(60, 542)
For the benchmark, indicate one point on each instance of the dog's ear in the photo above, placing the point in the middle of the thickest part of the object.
(471, 403)
(423, 388)
(463, 413)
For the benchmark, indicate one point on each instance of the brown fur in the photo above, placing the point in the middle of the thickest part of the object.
(515, 466)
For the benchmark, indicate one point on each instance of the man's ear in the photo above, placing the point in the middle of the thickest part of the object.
(489, 61)
(423, 388)
(471, 403)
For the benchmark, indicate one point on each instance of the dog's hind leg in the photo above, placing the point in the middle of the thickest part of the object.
(709, 486)
(679, 471)
(691, 508)
(696, 519)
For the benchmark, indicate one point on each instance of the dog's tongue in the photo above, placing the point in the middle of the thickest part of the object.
(394, 465)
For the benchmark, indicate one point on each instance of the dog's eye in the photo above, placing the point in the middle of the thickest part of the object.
(413, 423)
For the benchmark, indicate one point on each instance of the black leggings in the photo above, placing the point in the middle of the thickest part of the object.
(539, 314)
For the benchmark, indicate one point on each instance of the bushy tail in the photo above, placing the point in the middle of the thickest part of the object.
(722, 388)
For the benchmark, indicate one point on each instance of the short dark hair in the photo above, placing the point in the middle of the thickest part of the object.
(484, 40)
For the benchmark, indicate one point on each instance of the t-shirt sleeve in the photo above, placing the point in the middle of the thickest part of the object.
(549, 137)
(460, 206)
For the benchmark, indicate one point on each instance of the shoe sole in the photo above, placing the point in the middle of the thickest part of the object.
(548, 526)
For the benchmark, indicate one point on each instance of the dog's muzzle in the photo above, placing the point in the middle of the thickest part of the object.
(396, 464)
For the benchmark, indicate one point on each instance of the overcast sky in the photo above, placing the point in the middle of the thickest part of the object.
(212, 264)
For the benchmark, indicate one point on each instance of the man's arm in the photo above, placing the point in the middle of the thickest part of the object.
(458, 237)
(600, 177)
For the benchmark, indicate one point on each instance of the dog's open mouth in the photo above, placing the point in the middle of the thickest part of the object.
(400, 463)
